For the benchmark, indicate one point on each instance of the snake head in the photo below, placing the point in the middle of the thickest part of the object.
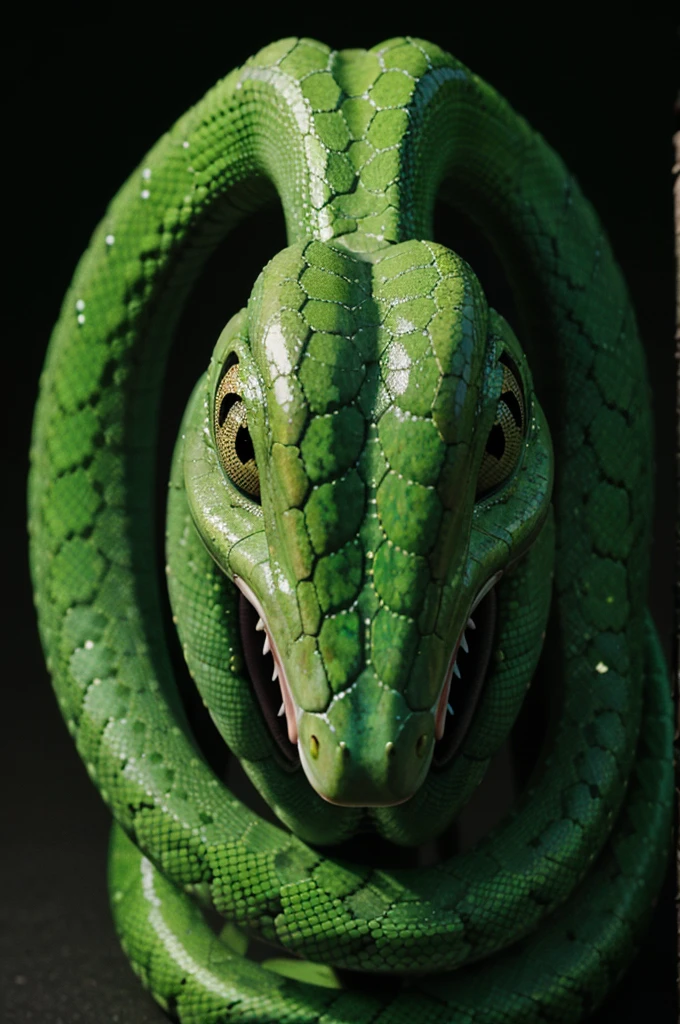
(342, 475)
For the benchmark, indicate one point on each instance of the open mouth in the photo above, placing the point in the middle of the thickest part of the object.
(459, 696)
(267, 674)
(464, 681)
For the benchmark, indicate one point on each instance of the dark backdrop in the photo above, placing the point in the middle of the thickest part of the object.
(85, 98)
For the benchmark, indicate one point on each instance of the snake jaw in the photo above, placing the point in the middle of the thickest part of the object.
(293, 712)
(441, 705)
(279, 674)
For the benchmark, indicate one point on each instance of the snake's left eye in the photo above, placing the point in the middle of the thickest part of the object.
(232, 437)
(504, 443)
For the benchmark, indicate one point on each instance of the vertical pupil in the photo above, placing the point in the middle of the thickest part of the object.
(225, 405)
(495, 444)
(244, 445)
(513, 405)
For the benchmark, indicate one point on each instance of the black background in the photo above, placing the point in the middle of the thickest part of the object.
(85, 97)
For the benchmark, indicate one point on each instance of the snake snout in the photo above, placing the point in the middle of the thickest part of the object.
(369, 749)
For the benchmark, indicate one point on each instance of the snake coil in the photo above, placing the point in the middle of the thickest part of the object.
(364, 470)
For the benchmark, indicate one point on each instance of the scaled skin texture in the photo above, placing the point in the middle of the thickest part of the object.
(371, 519)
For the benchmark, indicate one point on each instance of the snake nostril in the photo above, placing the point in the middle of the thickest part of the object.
(421, 745)
(314, 746)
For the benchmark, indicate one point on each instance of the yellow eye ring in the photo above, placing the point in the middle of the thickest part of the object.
(504, 443)
(232, 437)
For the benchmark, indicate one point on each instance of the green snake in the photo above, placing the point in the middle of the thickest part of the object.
(370, 519)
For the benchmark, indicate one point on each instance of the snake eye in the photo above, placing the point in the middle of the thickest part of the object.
(232, 437)
(504, 443)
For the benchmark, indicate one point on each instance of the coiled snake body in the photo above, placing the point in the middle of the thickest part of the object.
(363, 485)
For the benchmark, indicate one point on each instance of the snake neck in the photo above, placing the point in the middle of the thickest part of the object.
(349, 161)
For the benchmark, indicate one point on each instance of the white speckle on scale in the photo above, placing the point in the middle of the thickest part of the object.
(185, 145)
(146, 173)
(89, 644)
(277, 353)
(283, 393)
(601, 668)
(80, 305)
(81, 318)
(404, 326)
(145, 193)
(110, 239)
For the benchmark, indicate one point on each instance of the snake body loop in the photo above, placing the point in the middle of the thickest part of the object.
(365, 467)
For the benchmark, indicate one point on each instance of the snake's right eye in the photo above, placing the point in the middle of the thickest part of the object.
(232, 437)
